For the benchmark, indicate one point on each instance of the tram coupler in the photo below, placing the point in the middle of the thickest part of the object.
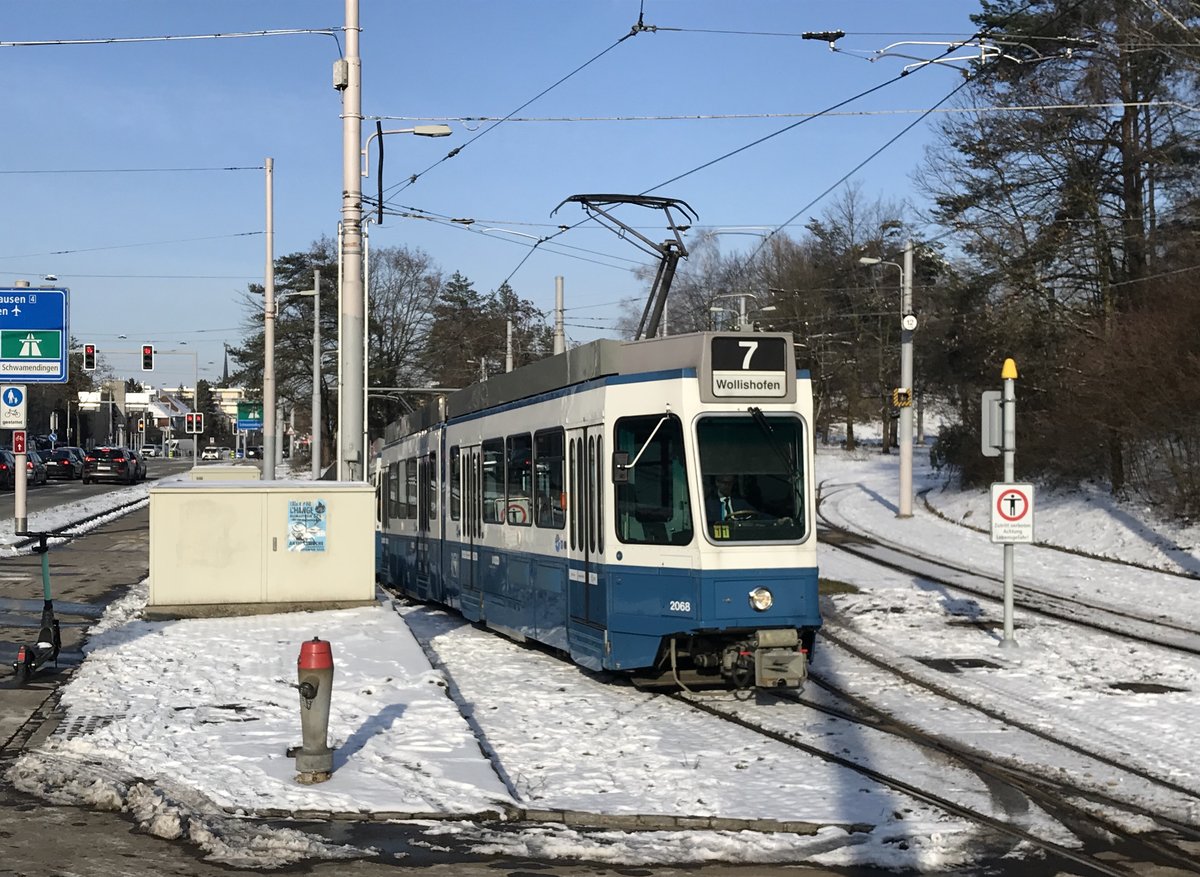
(32, 657)
(314, 670)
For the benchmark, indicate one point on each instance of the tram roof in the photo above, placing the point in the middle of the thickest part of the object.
(587, 362)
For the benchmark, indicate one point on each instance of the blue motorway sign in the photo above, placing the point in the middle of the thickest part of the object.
(34, 335)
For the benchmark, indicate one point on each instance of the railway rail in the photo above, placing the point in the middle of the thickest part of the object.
(1109, 847)
(1149, 630)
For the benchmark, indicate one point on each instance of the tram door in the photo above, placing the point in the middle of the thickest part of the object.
(585, 524)
(426, 485)
(472, 529)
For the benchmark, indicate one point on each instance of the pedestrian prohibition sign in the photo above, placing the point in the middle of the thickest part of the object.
(1012, 513)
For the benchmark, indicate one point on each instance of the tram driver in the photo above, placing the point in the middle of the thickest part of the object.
(724, 502)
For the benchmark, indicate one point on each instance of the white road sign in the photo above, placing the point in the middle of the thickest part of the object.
(1012, 513)
(13, 405)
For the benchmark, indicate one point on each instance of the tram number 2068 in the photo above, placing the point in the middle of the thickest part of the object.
(680, 606)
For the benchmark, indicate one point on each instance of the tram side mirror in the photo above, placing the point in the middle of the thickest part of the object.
(620, 467)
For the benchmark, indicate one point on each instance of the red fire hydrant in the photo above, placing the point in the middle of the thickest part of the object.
(314, 760)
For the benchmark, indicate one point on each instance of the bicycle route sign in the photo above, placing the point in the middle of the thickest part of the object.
(34, 335)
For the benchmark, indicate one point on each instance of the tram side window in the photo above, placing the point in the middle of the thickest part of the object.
(493, 480)
(653, 507)
(549, 487)
(393, 492)
(455, 486)
(518, 505)
(432, 485)
(410, 488)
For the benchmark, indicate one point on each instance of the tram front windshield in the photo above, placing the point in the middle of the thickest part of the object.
(751, 469)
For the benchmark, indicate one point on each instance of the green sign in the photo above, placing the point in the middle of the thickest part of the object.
(30, 344)
(249, 415)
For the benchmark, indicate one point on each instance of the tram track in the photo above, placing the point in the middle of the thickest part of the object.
(1157, 631)
(1057, 799)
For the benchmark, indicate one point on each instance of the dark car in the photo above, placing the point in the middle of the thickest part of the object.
(8, 470)
(140, 471)
(35, 466)
(115, 463)
(64, 463)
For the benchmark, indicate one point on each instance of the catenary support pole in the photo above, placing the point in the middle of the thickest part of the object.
(906, 383)
(350, 354)
(268, 412)
(315, 445)
(560, 338)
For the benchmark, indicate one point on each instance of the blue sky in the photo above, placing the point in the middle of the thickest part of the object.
(163, 254)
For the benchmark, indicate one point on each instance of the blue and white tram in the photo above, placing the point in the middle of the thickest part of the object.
(574, 502)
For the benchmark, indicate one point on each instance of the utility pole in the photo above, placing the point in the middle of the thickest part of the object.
(350, 354)
(268, 470)
(560, 338)
(315, 445)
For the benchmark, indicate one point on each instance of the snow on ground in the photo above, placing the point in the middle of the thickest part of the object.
(192, 718)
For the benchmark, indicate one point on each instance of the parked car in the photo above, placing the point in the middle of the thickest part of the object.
(115, 463)
(214, 453)
(8, 469)
(64, 463)
(35, 468)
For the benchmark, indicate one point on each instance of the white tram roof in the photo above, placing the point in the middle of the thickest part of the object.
(587, 362)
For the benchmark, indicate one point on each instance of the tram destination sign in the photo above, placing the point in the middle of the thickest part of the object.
(34, 335)
(750, 366)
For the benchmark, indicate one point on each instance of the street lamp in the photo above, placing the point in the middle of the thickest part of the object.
(419, 131)
(315, 445)
(743, 323)
(352, 323)
(908, 323)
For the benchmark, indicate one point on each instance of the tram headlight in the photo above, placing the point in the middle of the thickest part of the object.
(761, 599)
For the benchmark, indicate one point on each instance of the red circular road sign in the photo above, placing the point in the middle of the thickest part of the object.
(1017, 502)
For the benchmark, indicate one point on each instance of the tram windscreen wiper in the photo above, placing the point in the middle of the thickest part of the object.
(761, 420)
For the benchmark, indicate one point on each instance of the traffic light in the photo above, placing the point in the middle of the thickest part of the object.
(89, 357)
(147, 357)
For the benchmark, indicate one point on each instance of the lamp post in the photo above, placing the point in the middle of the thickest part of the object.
(315, 445)
(908, 323)
(352, 358)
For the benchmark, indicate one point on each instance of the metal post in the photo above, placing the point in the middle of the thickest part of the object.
(350, 401)
(338, 467)
(560, 338)
(20, 480)
(366, 344)
(195, 406)
(268, 469)
(315, 445)
(1009, 376)
(906, 383)
(278, 444)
